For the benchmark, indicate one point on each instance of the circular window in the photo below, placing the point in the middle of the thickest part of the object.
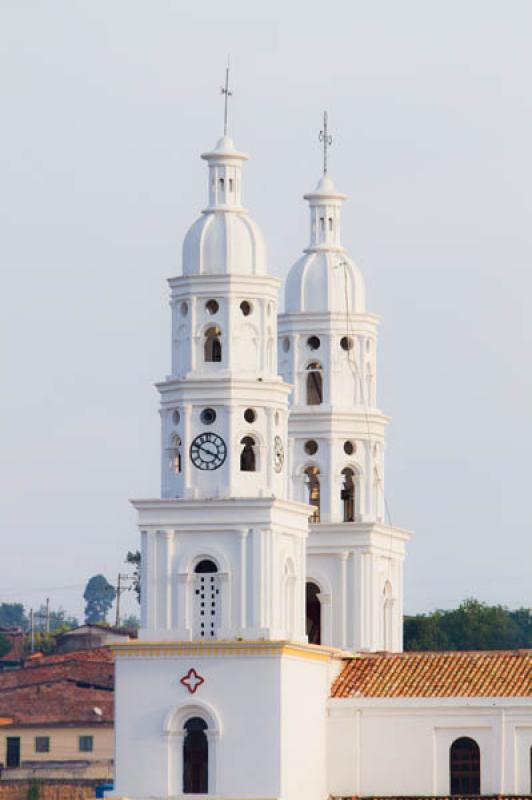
(311, 447)
(349, 448)
(250, 415)
(176, 416)
(286, 344)
(184, 308)
(212, 306)
(246, 308)
(207, 416)
(313, 342)
(346, 342)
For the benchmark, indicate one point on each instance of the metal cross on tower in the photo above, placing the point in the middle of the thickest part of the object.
(227, 94)
(327, 141)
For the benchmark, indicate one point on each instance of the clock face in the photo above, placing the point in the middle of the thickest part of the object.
(208, 451)
(278, 453)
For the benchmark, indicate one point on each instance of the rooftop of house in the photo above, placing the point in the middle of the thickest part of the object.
(64, 689)
(489, 673)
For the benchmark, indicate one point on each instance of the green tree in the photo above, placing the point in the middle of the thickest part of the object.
(132, 622)
(5, 645)
(471, 626)
(12, 615)
(99, 595)
(134, 559)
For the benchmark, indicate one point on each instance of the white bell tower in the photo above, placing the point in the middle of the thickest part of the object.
(222, 694)
(327, 346)
(223, 515)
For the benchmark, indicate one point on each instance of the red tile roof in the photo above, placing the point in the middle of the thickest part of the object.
(60, 689)
(505, 673)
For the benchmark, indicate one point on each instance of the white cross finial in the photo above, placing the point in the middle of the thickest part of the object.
(227, 94)
(327, 141)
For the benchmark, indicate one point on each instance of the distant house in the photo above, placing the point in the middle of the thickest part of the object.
(89, 637)
(56, 717)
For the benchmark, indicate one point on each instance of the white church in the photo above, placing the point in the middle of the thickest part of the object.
(269, 663)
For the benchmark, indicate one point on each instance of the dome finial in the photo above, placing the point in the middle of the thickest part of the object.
(227, 94)
(327, 141)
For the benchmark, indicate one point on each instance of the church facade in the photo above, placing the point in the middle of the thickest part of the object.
(270, 663)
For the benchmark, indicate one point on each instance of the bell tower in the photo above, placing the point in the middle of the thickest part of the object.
(327, 346)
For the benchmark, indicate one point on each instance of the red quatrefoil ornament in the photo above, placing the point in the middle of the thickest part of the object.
(192, 680)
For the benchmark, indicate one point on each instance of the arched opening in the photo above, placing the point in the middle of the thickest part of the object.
(206, 600)
(248, 458)
(195, 757)
(313, 609)
(174, 454)
(313, 486)
(213, 344)
(314, 384)
(464, 760)
(348, 494)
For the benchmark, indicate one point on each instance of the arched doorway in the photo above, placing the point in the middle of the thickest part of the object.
(313, 487)
(248, 457)
(313, 613)
(206, 600)
(314, 384)
(348, 495)
(464, 766)
(213, 344)
(195, 757)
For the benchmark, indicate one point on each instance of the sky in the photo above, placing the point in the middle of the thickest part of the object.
(105, 108)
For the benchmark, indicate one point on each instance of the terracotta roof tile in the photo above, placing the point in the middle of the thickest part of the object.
(505, 673)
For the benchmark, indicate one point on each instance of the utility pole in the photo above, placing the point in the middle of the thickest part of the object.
(120, 588)
(47, 615)
(32, 629)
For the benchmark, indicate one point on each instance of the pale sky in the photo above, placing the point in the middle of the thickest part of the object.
(105, 108)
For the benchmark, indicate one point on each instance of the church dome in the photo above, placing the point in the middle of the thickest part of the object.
(224, 239)
(325, 279)
(325, 282)
(224, 242)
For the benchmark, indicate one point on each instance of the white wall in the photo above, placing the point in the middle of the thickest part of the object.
(401, 747)
(265, 713)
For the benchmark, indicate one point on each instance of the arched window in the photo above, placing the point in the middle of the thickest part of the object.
(313, 607)
(313, 485)
(213, 344)
(195, 757)
(464, 760)
(348, 494)
(248, 459)
(206, 600)
(174, 454)
(314, 384)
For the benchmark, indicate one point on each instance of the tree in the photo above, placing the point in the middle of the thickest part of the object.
(131, 622)
(12, 616)
(134, 558)
(59, 618)
(471, 626)
(99, 595)
(5, 645)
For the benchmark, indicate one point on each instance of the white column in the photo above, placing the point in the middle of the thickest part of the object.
(144, 605)
(166, 620)
(343, 598)
(243, 578)
(186, 464)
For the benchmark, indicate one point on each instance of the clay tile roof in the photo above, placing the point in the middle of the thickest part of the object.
(56, 704)
(63, 689)
(505, 673)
